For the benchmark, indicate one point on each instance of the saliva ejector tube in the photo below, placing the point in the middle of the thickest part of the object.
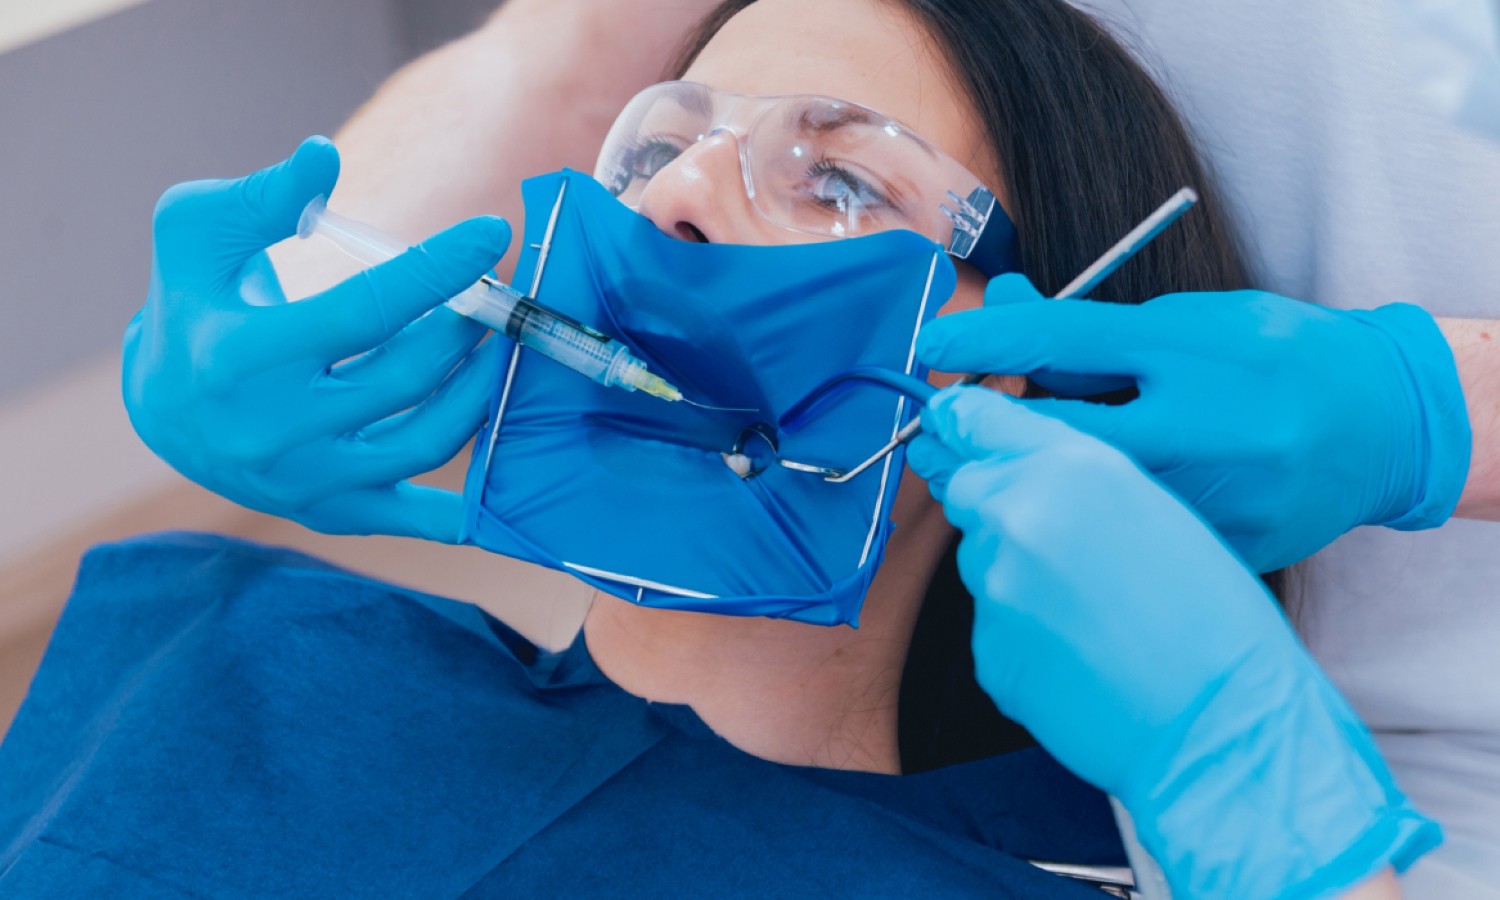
(502, 308)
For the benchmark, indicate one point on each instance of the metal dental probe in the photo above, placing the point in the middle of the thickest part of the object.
(1087, 280)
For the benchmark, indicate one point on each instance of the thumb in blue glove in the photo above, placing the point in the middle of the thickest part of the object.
(319, 410)
(1116, 626)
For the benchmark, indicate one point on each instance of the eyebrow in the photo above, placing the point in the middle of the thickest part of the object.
(831, 119)
(692, 97)
(834, 119)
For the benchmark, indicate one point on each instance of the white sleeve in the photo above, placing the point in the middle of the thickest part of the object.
(1353, 189)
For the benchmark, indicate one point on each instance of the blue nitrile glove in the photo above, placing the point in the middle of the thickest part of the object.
(1285, 424)
(1118, 628)
(259, 400)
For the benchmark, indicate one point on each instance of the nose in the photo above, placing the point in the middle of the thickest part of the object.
(700, 195)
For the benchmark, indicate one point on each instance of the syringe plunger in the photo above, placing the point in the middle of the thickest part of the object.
(502, 308)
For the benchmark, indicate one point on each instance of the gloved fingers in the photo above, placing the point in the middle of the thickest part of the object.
(259, 283)
(367, 309)
(934, 462)
(398, 374)
(1011, 288)
(133, 330)
(205, 231)
(428, 435)
(402, 510)
(975, 502)
(412, 352)
(1117, 425)
(978, 423)
(1059, 336)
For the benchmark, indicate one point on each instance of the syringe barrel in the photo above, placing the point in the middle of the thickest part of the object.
(581, 352)
(529, 325)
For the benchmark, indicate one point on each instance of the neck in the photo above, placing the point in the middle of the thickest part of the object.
(781, 690)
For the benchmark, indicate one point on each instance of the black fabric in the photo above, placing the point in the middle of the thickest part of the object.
(946, 718)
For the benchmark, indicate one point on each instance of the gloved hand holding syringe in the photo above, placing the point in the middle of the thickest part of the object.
(504, 309)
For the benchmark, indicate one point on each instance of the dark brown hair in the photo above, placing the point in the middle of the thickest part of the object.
(1088, 145)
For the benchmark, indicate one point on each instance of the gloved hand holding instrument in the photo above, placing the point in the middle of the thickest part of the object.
(1024, 517)
(1118, 628)
(1284, 424)
(317, 410)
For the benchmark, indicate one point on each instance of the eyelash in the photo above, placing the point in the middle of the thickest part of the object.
(629, 170)
(824, 166)
(628, 166)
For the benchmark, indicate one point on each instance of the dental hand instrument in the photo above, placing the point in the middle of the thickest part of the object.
(502, 308)
(1340, 417)
(1247, 772)
(1087, 280)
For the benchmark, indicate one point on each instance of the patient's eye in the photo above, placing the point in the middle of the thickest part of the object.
(835, 187)
(643, 158)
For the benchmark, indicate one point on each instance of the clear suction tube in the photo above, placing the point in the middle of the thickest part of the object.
(501, 308)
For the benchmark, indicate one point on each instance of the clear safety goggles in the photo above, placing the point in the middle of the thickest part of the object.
(815, 165)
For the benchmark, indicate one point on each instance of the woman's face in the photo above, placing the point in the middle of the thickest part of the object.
(867, 51)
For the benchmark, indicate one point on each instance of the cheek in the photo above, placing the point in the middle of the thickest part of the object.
(970, 291)
(970, 295)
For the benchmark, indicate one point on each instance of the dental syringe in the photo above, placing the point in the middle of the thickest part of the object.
(502, 308)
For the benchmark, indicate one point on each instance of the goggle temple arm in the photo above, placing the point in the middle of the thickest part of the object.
(983, 234)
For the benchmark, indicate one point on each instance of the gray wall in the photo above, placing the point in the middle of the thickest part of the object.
(97, 121)
(424, 24)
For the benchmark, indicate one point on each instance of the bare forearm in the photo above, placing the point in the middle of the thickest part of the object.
(1381, 887)
(1476, 349)
(452, 134)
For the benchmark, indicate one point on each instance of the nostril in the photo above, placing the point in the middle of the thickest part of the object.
(687, 231)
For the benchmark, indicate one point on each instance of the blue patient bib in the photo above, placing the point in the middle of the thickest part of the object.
(631, 493)
(219, 720)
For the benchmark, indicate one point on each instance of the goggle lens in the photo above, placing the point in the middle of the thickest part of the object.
(812, 164)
